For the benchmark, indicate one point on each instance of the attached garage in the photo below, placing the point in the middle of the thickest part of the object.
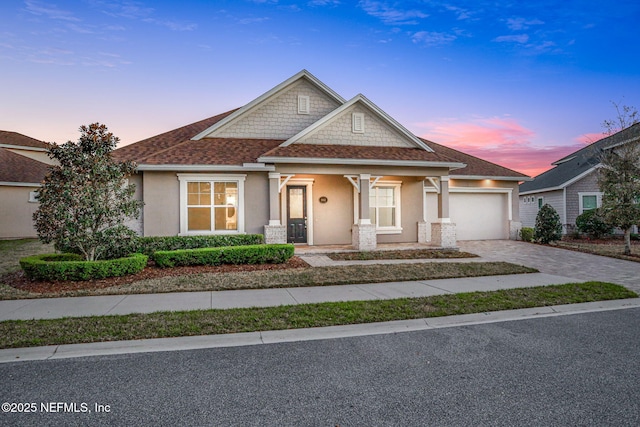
(480, 216)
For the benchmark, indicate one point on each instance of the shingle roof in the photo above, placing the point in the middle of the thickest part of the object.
(176, 148)
(356, 152)
(579, 162)
(18, 139)
(17, 168)
(153, 146)
(213, 151)
(475, 165)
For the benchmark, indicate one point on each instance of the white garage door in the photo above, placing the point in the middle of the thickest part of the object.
(479, 216)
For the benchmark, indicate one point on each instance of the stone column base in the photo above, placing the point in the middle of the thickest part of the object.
(443, 234)
(514, 230)
(275, 234)
(423, 232)
(363, 237)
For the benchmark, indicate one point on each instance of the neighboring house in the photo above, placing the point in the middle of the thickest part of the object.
(571, 187)
(301, 164)
(23, 166)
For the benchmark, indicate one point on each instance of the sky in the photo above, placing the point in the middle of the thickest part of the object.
(518, 83)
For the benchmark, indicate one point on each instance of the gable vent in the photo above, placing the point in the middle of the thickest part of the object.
(303, 104)
(357, 123)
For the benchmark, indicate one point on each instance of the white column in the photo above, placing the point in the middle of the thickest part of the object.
(365, 216)
(274, 199)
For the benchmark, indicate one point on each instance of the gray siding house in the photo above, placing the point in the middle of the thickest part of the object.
(571, 187)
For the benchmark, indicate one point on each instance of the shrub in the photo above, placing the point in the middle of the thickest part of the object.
(592, 223)
(526, 233)
(72, 267)
(149, 245)
(548, 226)
(253, 254)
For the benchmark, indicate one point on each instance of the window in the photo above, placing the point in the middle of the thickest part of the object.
(589, 201)
(211, 204)
(540, 202)
(33, 197)
(384, 207)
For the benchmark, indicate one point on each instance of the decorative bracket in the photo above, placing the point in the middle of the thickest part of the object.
(284, 181)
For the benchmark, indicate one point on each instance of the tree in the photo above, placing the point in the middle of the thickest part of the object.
(619, 180)
(84, 200)
(626, 116)
(548, 226)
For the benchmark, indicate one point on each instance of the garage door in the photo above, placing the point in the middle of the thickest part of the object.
(479, 216)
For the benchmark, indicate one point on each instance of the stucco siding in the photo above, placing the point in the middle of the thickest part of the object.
(256, 202)
(162, 204)
(16, 212)
(332, 220)
(278, 118)
(340, 132)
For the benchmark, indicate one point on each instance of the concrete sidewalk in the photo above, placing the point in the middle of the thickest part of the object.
(51, 308)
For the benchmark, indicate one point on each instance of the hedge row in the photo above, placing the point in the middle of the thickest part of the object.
(149, 245)
(253, 254)
(72, 267)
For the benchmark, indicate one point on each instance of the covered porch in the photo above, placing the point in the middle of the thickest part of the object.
(355, 209)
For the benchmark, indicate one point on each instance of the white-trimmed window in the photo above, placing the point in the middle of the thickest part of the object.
(589, 200)
(33, 196)
(211, 204)
(540, 202)
(384, 207)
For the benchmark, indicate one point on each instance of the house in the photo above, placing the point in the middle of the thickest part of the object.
(302, 164)
(571, 187)
(23, 166)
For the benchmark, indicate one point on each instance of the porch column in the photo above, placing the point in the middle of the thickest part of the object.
(443, 231)
(274, 232)
(363, 236)
(423, 226)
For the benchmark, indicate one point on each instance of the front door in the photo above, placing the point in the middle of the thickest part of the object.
(296, 214)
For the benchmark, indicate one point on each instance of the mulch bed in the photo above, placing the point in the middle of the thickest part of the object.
(19, 281)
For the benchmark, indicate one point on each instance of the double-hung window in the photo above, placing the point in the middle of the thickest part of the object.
(384, 207)
(211, 204)
(589, 201)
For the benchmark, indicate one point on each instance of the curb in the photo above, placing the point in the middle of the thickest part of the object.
(67, 351)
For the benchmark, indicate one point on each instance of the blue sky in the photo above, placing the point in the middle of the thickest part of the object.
(521, 84)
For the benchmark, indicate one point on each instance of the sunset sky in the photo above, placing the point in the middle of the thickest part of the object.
(518, 83)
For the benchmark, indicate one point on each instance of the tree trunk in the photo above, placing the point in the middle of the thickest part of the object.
(627, 241)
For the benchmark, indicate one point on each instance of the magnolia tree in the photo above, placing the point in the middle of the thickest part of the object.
(619, 181)
(85, 199)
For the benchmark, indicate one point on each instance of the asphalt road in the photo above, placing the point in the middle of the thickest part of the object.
(565, 370)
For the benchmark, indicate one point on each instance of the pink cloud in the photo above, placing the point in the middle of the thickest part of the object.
(499, 140)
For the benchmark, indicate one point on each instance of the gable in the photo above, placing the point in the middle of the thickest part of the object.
(357, 125)
(281, 112)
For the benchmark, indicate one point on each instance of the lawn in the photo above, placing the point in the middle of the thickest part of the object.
(20, 333)
(400, 254)
(206, 278)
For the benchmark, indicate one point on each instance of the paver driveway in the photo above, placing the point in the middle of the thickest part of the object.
(558, 261)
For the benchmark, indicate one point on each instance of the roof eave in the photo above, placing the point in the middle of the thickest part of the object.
(494, 177)
(369, 162)
(247, 167)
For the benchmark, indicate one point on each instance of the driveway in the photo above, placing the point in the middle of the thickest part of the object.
(557, 261)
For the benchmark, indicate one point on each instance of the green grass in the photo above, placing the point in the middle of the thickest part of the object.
(205, 322)
(12, 250)
(400, 254)
(297, 277)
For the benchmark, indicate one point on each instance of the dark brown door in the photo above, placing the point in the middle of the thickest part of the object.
(296, 214)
